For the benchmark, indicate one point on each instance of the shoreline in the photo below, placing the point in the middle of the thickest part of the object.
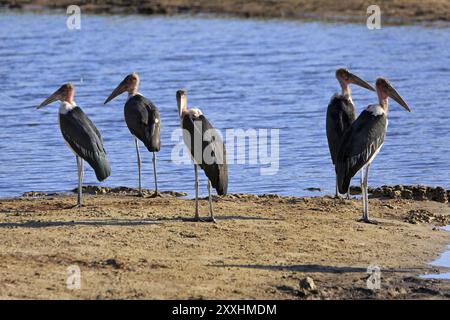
(407, 192)
(393, 13)
(262, 247)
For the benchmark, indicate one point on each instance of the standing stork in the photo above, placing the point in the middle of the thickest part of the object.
(341, 113)
(143, 121)
(207, 150)
(363, 140)
(80, 134)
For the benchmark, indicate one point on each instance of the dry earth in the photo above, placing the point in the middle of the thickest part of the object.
(261, 247)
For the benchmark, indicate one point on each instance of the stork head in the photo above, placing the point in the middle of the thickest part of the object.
(385, 90)
(64, 93)
(346, 78)
(130, 84)
(181, 101)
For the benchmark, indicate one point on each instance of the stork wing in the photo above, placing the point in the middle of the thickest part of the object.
(85, 140)
(359, 144)
(340, 115)
(143, 121)
(215, 165)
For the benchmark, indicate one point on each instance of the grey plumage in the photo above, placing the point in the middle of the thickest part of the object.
(85, 140)
(143, 121)
(340, 115)
(359, 144)
(217, 169)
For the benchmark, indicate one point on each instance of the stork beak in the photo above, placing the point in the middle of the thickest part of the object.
(121, 88)
(392, 93)
(359, 82)
(181, 101)
(56, 96)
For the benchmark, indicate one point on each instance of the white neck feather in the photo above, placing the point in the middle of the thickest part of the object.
(376, 110)
(130, 95)
(65, 107)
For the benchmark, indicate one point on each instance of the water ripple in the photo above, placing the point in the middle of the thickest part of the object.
(242, 73)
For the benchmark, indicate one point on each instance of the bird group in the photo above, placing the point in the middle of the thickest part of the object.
(353, 141)
(144, 122)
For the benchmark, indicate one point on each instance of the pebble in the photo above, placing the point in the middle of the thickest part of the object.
(308, 284)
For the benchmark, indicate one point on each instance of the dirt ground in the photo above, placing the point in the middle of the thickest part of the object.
(393, 11)
(260, 248)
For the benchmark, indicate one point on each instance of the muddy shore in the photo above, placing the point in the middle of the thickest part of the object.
(261, 247)
(393, 12)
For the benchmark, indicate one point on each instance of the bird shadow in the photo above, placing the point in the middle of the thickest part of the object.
(247, 218)
(113, 222)
(45, 224)
(218, 218)
(311, 268)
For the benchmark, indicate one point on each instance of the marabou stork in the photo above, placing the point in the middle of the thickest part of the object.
(81, 135)
(363, 140)
(207, 150)
(143, 121)
(341, 113)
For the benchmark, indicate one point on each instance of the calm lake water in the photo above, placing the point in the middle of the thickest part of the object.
(443, 261)
(241, 73)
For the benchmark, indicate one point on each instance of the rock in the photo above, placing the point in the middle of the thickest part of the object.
(420, 193)
(314, 189)
(407, 194)
(307, 284)
(34, 194)
(96, 190)
(355, 190)
(382, 192)
(394, 194)
(113, 263)
(419, 216)
(93, 190)
(439, 194)
(425, 216)
(174, 194)
(270, 196)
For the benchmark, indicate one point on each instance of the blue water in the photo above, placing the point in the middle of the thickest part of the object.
(241, 73)
(443, 261)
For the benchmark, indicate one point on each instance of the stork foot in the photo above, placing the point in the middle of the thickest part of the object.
(365, 220)
(78, 205)
(156, 194)
(209, 219)
(140, 194)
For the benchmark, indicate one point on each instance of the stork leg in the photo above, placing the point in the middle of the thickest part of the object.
(156, 194)
(80, 180)
(211, 212)
(348, 197)
(365, 195)
(140, 194)
(196, 192)
(337, 196)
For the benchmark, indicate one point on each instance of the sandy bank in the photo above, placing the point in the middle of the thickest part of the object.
(398, 11)
(261, 247)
